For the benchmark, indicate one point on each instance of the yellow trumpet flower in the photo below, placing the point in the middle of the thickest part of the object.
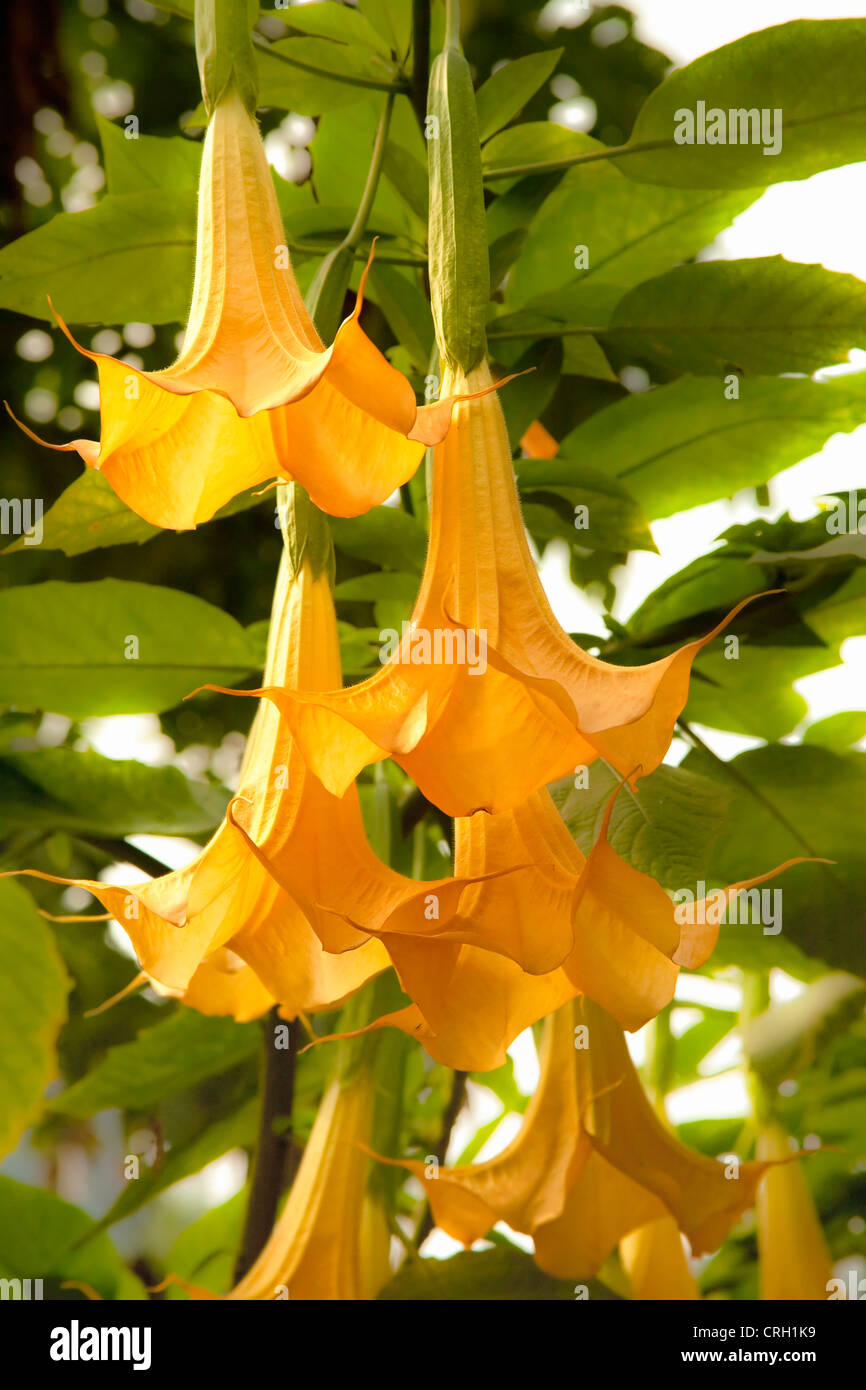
(484, 668)
(190, 926)
(254, 394)
(331, 1241)
(288, 902)
(592, 1161)
(793, 1260)
(613, 930)
(655, 1262)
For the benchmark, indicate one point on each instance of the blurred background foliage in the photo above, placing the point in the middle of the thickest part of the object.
(179, 1090)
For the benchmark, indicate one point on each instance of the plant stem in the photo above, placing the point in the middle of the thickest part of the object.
(274, 1154)
(365, 207)
(452, 1110)
(353, 81)
(552, 166)
(452, 24)
(125, 853)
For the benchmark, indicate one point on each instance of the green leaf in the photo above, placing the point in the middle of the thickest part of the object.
(509, 89)
(315, 76)
(97, 265)
(665, 830)
(393, 20)
(383, 584)
(818, 798)
(527, 397)
(327, 20)
(32, 1009)
(408, 177)
(699, 1040)
(235, 1130)
(837, 732)
(170, 1057)
(615, 521)
(630, 234)
(341, 158)
(204, 1253)
(385, 536)
(63, 647)
(325, 59)
(752, 694)
(392, 602)
(681, 445)
(40, 1232)
(84, 793)
(406, 310)
(765, 315)
(535, 148)
(89, 515)
(789, 1037)
(583, 355)
(505, 1274)
(809, 70)
(358, 648)
(147, 161)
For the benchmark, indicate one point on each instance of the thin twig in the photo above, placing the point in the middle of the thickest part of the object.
(273, 1149)
(123, 852)
(452, 1110)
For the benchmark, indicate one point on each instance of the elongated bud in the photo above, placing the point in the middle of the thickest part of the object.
(459, 263)
(224, 50)
(306, 533)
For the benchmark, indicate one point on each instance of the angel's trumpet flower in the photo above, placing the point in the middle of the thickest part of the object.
(592, 1161)
(470, 985)
(281, 903)
(254, 394)
(484, 668)
(793, 1260)
(655, 1262)
(182, 923)
(331, 1241)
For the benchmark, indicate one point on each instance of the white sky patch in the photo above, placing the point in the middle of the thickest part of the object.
(717, 1098)
(726, 1054)
(524, 1055)
(129, 736)
(714, 993)
(686, 29)
(172, 850)
(784, 988)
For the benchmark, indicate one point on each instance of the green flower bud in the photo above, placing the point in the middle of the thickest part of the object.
(459, 262)
(225, 51)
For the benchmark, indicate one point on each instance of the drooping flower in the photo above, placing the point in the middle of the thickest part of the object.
(793, 1260)
(484, 668)
(655, 1262)
(192, 927)
(254, 394)
(331, 1241)
(472, 992)
(592, 1161)
(288, 903)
